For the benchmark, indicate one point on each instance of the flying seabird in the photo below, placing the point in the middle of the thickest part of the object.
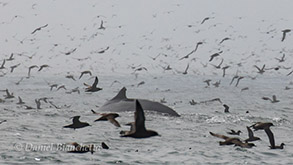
(139, 130)
(238, 80)
(284, 33)
(70, 77)
(261, 125)
(233, 132)
(76, 123)
(273, 100)
(10, 58)
(232, 140)
(43, 66)
(205, 19)
(39, 28)
(199, 43)
(251, 137)
(215, 55)
(81, 148)
(185, 72)
(70, 52)
(94, 87)
(108, 116)
(3, 63)
(102, 25)
(262, 70)
(228, 140)
(282, 59)
(224, 70)
(20, 101)
(8, 95)
(226, 38)
(272, 139)
(85, 72)
(13, 67)
(30, 68)
(207, 81)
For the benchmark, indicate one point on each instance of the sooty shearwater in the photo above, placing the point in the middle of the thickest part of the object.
(76, 123)
(94, 87)
(251, 136)
(139, 130)
(108, 117)
(272, 139)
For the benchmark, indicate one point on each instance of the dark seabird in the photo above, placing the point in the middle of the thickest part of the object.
(20, 101)
(273, 100)
(139, 130)
(227, 38)
(85, 72)
(76, 123)
(81, 148)
(185, 72)
(224, 70)
(108, 117)
(186, 56)
(30, 68)
(260, 125)
(70, 77)
(53, 86)
(228, 140)
(238, 80)
(284, 33)
(94, 87)
(282, 59)
(233, 132)
(70, 52)
(3, 121)
(215, 55)
(10, 58)
(104, 50)
(251, 137)
(205, 19)
(272, 139)
(61, 87)
(102, 25)
(236, 76)
(226, 108)
(262, 70)
(8, 95)
(39, 28)
(3, 63)
(43, 66)
(104, 146)
(38, 102)
(13, 67)
(207, 81)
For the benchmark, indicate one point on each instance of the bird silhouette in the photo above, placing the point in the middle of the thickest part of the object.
(76, 123)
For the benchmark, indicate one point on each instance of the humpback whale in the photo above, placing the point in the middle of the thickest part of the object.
(121, 103)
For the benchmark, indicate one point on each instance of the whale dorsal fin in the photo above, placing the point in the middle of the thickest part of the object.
(121, 95)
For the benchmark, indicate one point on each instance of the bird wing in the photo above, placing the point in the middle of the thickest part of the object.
(270, 136)
(219, 136)
(113, 121)
(139, 117)
(96, 82)
(250, 133)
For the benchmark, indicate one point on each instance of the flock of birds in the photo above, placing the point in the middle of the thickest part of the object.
(137, 128)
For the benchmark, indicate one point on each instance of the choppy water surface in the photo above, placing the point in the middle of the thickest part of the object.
(141, 43)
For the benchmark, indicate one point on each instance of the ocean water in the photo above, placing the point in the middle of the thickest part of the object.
(143, 40)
